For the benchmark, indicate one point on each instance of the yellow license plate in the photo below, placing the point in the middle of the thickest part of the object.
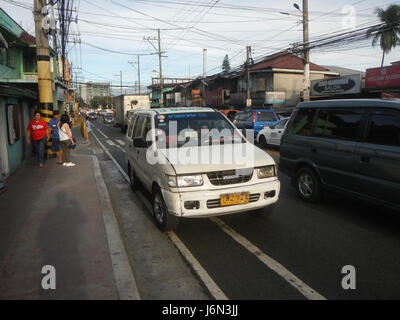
(234, 198)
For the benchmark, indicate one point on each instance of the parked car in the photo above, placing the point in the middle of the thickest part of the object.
(352, 146)
(92, 116)
(186, 190)
(272, 135)
(255, 120)
(108, 118)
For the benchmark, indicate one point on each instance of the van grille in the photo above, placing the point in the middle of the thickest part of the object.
(223, 178)
(216, 203)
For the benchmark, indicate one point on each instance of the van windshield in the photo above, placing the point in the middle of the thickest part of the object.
(194, 129)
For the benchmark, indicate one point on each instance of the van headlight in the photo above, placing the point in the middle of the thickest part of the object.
(185, 181)
(266, 172)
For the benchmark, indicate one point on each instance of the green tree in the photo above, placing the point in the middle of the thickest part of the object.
(226, 67)
(386, 34)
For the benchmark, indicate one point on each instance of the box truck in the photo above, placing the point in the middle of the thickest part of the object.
(125, 103)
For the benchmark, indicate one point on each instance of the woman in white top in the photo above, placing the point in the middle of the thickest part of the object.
(65, 138)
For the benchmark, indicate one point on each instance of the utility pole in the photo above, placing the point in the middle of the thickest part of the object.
(306, 92)
(43, 64)
(45, 83)
(138, 70)
(120, 76)
(138, 64)
(248, 97)
(161, 79)
(204, 75)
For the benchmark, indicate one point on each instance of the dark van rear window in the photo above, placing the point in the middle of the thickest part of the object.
(264, 116)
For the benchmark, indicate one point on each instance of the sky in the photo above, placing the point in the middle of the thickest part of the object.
(189, 26)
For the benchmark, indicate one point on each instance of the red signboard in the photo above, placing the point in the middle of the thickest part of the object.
(383, 77)
(214, 98)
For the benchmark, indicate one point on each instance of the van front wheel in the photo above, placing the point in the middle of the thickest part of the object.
(164, 220)
(308, 186)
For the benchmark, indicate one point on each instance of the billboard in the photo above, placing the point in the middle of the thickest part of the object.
(275, 97)
(338, 85)
(383, 77)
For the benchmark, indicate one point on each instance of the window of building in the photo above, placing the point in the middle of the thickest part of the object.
(302, 123)
(11, 58)
(2, 55)
(338, 124)
(384, 129)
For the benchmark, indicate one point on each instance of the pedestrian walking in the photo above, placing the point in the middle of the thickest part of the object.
(38, 133)
(66, 140)
(55, 137)
(88, 128)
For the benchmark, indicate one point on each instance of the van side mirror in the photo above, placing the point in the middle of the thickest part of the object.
(140, 142)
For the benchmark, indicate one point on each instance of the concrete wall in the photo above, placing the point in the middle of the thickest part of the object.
(292, 84)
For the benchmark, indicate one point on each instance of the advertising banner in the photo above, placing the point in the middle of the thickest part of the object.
(338, 85)
(383, 77)
(275, 97)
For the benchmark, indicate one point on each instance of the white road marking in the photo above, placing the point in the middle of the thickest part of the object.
(122, 149)
(201, 272)
(303, 288)
(102, 133)
(110, 142)
(122, 143)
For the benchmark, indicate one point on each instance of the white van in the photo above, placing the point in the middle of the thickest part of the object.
(196, 163)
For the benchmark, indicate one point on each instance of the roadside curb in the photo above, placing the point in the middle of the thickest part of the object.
(123, 274)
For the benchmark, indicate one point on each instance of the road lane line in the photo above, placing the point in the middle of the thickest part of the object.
(110, 142)
(112, 158)
(102, 133)
(289, 277)
(122, 143)
(122, 149)
(200, 271)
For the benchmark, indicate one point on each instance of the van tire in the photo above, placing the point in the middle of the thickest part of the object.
(263, 212)
(133, 180)
(164, 220)
(308, 185)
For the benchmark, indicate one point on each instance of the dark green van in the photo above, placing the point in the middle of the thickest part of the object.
(351, 146)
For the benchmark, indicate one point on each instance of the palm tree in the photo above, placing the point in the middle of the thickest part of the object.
(388, 32)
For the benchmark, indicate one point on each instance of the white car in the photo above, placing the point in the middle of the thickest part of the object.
(272, 135)
(190, 189)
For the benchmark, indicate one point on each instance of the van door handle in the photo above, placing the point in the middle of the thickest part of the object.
(313, 150)
(365, 159)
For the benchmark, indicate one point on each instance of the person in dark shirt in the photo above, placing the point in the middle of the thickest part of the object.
(55, 137)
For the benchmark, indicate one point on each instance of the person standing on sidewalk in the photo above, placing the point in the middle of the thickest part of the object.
(65, 139)
(88, 128)
(38, 132)
(55, 138)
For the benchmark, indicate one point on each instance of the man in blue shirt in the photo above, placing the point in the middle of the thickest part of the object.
(55, 141)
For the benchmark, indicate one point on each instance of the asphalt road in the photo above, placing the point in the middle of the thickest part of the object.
(309, 244)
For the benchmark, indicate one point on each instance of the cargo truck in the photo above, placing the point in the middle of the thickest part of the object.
(125, 103)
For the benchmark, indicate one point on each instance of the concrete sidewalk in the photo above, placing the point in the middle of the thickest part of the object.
(56, 216)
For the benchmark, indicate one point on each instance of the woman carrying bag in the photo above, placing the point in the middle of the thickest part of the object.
(66, 141)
